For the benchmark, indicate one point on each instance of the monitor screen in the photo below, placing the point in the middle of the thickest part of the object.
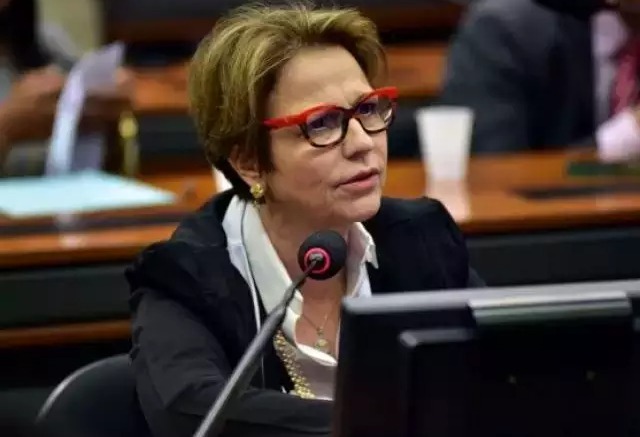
(527, 361)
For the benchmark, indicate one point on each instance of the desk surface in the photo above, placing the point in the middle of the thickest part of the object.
(415, 69)
(489, 202)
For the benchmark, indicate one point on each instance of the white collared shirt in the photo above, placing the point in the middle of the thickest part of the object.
(254, 256)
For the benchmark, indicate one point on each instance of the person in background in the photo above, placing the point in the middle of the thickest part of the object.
(33, 58)
(538, 79)
(297, 122)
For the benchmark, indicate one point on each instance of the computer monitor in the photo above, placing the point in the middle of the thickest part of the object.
(541, 361)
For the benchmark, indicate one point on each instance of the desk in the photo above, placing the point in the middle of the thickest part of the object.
(512, 239)
(488, 203)
(416, 69)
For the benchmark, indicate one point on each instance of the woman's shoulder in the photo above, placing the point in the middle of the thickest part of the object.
(193, 260)
(424, 213)
(419, 246)
(421, 223)
(411, 207)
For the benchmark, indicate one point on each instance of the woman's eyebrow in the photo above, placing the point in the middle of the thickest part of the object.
(360, 96)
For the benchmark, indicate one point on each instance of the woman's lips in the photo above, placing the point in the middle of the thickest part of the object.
(362, 182)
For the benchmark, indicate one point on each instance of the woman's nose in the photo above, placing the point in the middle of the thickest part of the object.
(357, 140)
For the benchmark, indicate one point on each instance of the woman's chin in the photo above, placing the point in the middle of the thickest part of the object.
(362, 208)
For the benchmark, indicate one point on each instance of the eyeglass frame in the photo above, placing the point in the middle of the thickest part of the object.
(300, 119)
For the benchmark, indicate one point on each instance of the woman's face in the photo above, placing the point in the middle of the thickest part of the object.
(329, 186)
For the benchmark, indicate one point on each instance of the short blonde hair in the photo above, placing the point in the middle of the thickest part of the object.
(235, 68)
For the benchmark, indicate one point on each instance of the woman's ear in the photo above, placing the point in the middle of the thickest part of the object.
(247, 168)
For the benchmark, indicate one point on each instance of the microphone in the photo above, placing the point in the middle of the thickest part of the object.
(329, 248)
(320, 257)
(579, 8)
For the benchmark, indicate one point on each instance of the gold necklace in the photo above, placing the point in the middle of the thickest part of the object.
(287, 354)
(321, 344)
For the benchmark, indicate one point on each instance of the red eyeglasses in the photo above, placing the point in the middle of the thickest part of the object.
(327, 125)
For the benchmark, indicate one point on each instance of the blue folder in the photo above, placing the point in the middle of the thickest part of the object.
(87, 191)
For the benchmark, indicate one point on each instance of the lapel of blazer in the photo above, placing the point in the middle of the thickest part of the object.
(382, 230)
(376, 278)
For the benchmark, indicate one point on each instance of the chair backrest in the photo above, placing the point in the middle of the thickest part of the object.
(98, 400)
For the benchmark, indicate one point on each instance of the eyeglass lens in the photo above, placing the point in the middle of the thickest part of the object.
(327, 126)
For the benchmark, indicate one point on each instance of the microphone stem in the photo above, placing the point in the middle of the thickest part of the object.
(243, 373)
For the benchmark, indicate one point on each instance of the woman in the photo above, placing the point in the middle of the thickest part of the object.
(32, 61)
(284, 100)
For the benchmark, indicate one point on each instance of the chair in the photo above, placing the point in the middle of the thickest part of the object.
(98, 400)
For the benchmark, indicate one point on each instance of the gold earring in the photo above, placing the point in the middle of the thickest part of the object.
(257, 191)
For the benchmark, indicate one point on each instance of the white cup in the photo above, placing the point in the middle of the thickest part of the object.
(445, 138)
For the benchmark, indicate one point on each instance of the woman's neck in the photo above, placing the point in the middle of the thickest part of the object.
(287, 232)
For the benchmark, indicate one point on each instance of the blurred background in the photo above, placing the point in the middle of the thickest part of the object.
(84, 25)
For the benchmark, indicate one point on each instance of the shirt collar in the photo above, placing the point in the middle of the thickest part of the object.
(361, 245)
(269, 270)
(272, 278)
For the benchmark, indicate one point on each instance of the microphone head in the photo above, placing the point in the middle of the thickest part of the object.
(329, 247)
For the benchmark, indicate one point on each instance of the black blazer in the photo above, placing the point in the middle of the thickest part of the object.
(193, 316)
(527, 71)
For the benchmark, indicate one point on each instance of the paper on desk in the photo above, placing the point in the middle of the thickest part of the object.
(85, 191)
(69, 151)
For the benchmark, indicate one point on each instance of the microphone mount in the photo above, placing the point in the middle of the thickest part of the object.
(323, 253)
